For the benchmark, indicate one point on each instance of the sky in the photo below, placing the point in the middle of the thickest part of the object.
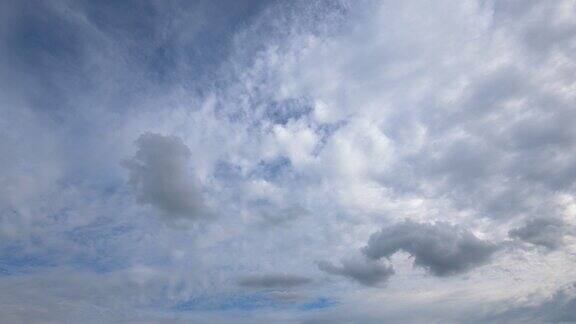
(323, 161)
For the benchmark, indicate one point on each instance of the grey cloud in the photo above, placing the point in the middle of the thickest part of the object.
(544, 231)
(285, 296)
(441, 248)
(365, 271)
(539, 30)
(281, 216)
(159, 176)
(273, 281)
(491, 92)
(505, 131)
(559, 308)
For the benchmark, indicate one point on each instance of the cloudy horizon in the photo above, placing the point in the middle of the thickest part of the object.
(326, 161)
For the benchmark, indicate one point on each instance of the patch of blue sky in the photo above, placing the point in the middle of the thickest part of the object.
(284, 111)
(250, 302)
(99, 263)
(245, 302)
(318, 303)
(269, 170)
(228, 172)
(101, 244)
(100, 251)
(17, 259)
(273, 170)
(99, 233)
(161, 53)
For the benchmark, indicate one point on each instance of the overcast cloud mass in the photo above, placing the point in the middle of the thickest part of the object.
(318, 161)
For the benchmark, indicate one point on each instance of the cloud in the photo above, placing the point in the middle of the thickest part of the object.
(320, 120)
(544, 231)
(559, 307)
(273, 281)
(441, 248)
(280, 216)
(365, 271)
(160, 177)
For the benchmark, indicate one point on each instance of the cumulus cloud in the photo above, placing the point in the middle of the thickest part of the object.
(159, 176)
(365, 271)
(543, 231)
(441, 248)
(274, 281)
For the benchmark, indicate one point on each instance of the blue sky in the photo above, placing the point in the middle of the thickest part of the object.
(287, 161)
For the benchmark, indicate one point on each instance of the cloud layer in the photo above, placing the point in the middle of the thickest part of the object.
(191, 161)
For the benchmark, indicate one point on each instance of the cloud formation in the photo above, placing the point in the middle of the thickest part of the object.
(273, 281)
(365, 271)
(305, 126)
(159, 176)
(560, 307)
(546, 232)
(441, 248)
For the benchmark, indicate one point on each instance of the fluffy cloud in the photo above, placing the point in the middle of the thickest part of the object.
(441, 248)
(160, 177)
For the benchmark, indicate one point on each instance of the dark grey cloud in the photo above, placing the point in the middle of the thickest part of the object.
(159, 175)
(543, 231)
(441, 248)
(273, 281)
(365, 271)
